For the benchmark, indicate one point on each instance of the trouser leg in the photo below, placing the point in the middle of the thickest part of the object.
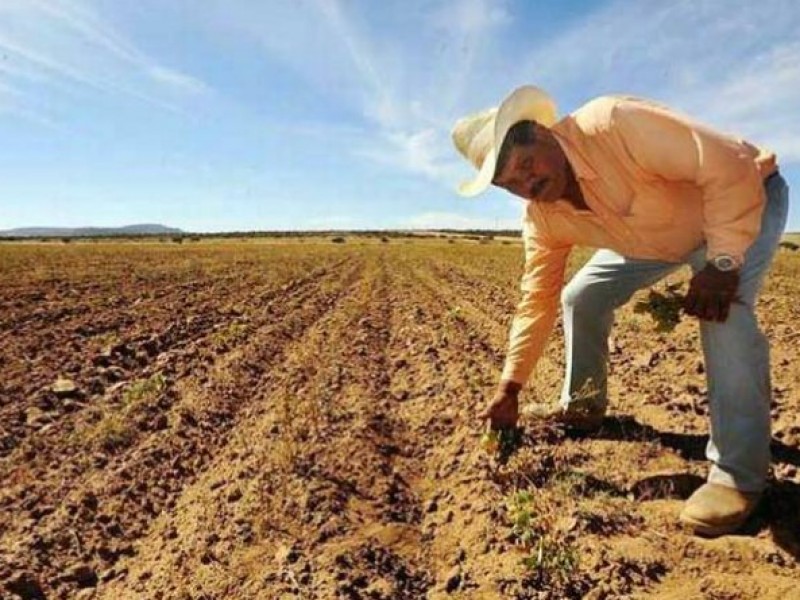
(737, 364)
(603, 284)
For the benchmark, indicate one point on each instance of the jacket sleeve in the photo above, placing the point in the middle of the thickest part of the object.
(668, 145)
(541, 285)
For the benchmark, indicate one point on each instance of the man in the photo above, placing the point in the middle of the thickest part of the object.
(654, 190)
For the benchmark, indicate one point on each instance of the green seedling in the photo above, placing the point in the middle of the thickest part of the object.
(501, 443)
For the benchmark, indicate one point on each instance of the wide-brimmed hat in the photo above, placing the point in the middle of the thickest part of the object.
(479, 137)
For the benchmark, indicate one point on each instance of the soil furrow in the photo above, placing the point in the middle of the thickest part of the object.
(129, 355)
(135, 486)
(325, 485)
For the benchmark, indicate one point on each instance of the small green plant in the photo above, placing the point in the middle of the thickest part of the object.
(113, 432)
(665, 309)
(107, 339)
(235, 332)
(454, 314)
(144, 389)
(551, 557)
(551, 560)
(115, 428)
(523, 518)
(501, 443)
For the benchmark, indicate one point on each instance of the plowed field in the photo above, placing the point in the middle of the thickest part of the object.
(298, 420)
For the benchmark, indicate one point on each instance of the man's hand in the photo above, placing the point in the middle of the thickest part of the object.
(503, 411)
(711, 293)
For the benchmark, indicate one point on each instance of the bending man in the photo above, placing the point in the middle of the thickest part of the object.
(654, 190)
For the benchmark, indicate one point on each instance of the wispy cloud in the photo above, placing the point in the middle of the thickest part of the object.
(66, 45)
(176, 80)
(735, 66)
(404, 88)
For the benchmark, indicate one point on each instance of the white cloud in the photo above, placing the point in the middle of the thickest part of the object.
(449, 220)
(426, 153)
(179, 81)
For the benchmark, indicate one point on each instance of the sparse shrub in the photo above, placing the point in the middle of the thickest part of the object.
(789, 246)
(338, 240)
(177, 239)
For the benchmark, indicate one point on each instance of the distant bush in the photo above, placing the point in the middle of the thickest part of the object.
(338, 240)
(65, 240)
(177, 239)
(790, 246)
(385, 240)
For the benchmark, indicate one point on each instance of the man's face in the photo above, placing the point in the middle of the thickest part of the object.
(536, 171)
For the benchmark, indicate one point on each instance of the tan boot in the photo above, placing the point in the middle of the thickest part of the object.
(718, 510)
(586, 419)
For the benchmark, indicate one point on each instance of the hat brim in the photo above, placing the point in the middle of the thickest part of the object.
(482, 180)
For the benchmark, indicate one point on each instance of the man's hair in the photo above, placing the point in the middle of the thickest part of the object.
(522, 133)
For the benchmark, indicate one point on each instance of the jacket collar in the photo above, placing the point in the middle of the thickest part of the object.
(569, 135)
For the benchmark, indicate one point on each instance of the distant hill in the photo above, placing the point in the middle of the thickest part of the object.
(143, 229)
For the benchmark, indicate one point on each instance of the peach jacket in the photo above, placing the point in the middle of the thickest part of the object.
(658, 184)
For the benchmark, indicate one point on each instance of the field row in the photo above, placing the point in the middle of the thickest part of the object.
(300, 421)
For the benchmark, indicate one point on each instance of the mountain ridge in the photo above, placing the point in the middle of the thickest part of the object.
(137, 229)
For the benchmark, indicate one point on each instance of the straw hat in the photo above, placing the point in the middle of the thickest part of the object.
(480, 136)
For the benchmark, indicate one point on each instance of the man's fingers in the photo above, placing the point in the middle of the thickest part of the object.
(708, 306)
(690, 304)
(724, 309)
(713, 307)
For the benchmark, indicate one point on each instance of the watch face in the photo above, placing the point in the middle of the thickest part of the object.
(724, 263)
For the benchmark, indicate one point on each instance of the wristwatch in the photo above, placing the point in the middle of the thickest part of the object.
(725, 263)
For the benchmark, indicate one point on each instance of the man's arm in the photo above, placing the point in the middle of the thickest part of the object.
(533, 321)
(541, 284)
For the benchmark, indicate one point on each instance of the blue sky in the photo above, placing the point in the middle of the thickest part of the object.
(311, 114)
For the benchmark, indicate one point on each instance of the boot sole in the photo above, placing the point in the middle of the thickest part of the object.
(578, 424)
(707, 530)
